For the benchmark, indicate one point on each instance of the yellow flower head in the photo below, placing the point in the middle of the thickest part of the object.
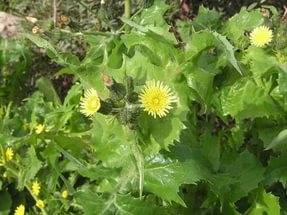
(90, 103)
(40, 204)
(261, 36)
(64, 194)
(20, 210)
(39, 128)
(9, 154)
(36, 187)
(35, 30)
(156, 98)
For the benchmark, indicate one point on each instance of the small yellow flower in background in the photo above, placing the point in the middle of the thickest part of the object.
(40, 204)
(36, 187)
(90, 103)
(64, 194)
(20, 210)
(261, 36)
(9, 154)
(26, 126)
(36, 30)
(39, 128)
(156, 99)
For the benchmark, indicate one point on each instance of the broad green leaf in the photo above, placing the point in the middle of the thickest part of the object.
(260, 61)
(237, 177)
(163, 176)
(235, 100)
(111, 141)
(266, 203)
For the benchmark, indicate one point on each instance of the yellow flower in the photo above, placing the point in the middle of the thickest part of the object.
(64, 194)
(20, 210)
(156, 98)
(9, 154)
(261, 36)
(36, 187)
(35, 30)
(40, 204)
(91, 103)
(39, 128)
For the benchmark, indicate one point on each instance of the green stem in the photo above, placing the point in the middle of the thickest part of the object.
(127, 12)
(127, 9)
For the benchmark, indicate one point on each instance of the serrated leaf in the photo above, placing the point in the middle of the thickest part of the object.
(206, 19)
(229, 50)
(235, 100)
(260, 61)
(238, 176)
(111, 142)
(31, 166)
(163, 177)
(266, 203)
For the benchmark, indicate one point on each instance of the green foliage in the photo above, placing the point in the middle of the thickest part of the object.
(220, 149)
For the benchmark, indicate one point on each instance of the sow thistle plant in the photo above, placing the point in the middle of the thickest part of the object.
(153, 127)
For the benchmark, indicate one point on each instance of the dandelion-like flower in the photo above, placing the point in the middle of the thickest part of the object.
(9, 154)
(36, 187)
(90, 103)
(157, 98)
(261, 36)
(40, 204)
(20, 210)
(39, 128)
(64, 194)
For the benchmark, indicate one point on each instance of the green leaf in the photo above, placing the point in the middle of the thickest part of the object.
(30, 167)
(47, 88)
(5, 203)
(235, 100)
(90, 202)
(280, 139)
(159, 133)
(228, 50)
(129, 205)
(237, 177)
(163, 177)
(266, 203)
(94, 172)
(206, 19)
(277, 170)
(260, 61)
(112, 143)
